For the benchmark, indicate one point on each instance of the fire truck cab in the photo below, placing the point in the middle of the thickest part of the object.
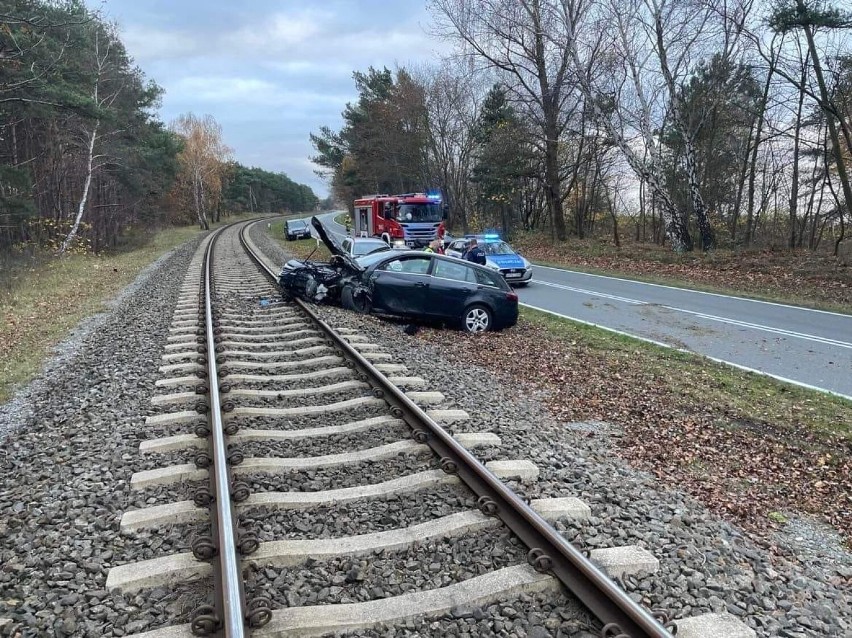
(413, 218)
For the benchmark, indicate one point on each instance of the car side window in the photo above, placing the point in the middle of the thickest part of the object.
(452, 270)
(411, 266)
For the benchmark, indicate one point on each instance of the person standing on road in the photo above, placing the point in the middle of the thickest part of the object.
(434, 247)
(474, 253)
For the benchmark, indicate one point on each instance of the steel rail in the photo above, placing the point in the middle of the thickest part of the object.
(549, 551)
(232, 607)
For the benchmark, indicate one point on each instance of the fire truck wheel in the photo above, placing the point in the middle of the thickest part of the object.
(476, 319)
(358, 302)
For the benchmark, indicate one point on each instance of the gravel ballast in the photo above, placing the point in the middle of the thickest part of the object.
(706, 564)
(69, 440)
(72, 443)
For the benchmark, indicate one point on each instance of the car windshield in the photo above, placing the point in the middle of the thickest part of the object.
(497, 248)
(360, 248)
(368, 260)
(297, 223)
(420, 213)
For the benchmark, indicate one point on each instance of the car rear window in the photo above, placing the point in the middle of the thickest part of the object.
(485, 278)
(366, 247)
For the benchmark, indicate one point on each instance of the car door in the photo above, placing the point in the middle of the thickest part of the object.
(452, 288)
(401, 284)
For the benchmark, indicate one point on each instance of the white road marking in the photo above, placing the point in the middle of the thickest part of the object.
(699, 292)
(733, 322)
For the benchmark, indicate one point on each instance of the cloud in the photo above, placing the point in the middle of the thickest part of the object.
(246, 92)
(277, 34)
(270, 71)
(147, 44)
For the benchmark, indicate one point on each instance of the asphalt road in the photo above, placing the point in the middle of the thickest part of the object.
(811, 348)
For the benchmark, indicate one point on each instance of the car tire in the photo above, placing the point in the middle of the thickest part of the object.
(289, 237)
(477, 318)
(359, 303)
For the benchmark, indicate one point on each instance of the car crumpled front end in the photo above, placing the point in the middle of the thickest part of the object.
(317, 281)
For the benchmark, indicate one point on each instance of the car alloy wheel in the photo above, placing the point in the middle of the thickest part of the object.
(477, 319)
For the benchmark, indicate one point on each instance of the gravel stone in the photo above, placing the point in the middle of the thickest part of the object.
(360, 517)
(70, 443)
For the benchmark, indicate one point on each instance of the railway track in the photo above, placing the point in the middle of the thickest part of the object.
(295, 452)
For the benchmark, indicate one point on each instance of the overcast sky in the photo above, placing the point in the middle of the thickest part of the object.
(270, 72)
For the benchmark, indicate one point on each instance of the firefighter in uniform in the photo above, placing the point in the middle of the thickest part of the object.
(434, 247)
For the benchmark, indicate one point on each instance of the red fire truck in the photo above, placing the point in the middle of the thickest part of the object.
(415, 218)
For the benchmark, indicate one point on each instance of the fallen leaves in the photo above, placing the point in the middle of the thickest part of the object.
(738, 466)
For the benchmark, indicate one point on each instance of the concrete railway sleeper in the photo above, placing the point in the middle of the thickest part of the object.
(273, 421)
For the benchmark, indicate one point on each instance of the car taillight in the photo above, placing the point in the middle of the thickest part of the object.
(512, 296)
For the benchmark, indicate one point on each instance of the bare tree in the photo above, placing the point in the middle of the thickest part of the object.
(622, 96)
(453, 97)
(817, 21)
(527, 42)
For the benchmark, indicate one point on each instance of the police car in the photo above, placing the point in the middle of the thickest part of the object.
(498, 255)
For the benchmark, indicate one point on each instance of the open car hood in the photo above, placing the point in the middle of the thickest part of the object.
(333, 247)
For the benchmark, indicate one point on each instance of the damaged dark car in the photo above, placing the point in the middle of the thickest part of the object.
(410, 284)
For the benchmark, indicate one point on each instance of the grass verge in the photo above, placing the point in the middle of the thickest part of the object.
(300, 248)
(43, 303)
(696, 381)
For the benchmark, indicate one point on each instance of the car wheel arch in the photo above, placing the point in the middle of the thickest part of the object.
(357, 298)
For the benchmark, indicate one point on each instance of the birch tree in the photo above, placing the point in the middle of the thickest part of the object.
(106, 88)
(203, 161)
(622, 97)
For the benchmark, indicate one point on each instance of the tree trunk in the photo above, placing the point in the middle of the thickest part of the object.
(705, 229)
(832, 126)
(552, 187)
(90, 167)
(753, 176)
(735, 214)
(614, 217)
(840, 236)
(678, 117)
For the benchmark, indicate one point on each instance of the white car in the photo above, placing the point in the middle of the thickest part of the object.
(360, 246)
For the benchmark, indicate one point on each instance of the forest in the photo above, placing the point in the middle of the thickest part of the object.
(84, 160)
(690, 123)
